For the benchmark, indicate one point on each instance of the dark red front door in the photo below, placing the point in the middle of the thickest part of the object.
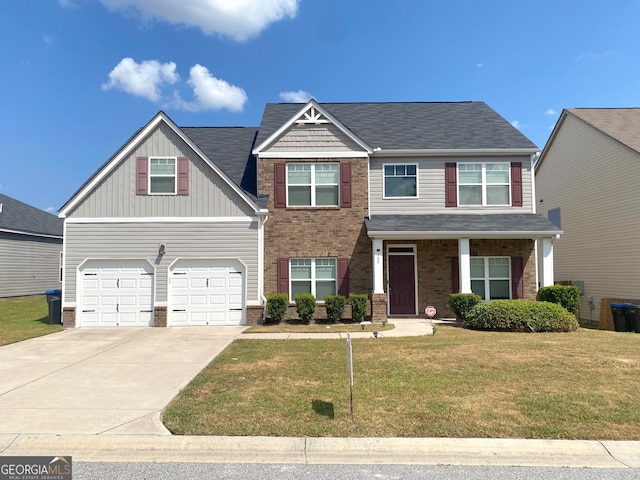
(402, 288)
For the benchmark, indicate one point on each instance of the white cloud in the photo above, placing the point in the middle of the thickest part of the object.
(296, 97)
(67, 4)
(211, 93)
(50, 209)
(142, 79)
(479, 65)
(516, 124)
(239, 19)
(593, 56)
(550, 111)
(47, 39)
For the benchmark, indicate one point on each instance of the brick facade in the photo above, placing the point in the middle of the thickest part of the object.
(160, 317)
(69, 317)
(319, 232)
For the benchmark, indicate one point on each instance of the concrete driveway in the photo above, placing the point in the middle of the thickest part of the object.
(102, 380)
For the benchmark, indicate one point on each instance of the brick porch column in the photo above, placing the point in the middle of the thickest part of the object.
(378, 307)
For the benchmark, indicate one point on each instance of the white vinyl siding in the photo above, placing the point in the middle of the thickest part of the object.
(220, 239)
(593, 179)
(209, 195)
(431, 187)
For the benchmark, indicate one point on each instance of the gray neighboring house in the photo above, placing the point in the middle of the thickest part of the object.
(30, 249)
(168, 232)
(587, 182)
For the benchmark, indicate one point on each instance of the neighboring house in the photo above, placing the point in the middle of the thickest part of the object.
(408, 202)
(587, 179)
(30, 249)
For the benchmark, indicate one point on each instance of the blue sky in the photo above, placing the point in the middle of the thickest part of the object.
(81, 76)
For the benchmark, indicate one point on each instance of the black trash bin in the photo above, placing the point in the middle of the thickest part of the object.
(619, 312)
(54, 299)
(633, 317)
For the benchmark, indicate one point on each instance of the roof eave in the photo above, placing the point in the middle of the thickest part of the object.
(481, 234)
(454, 152)
(30, 234)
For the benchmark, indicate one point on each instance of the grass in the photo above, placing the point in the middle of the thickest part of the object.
(24, 318)
(458, 383)
(319, 328)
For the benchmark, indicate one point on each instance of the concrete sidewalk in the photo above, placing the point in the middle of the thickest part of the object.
(404, 327)
(423, 451)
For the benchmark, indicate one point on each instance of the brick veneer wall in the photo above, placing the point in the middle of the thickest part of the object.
(319, 232)
(160, 317)
(69, 317)
(434, 267)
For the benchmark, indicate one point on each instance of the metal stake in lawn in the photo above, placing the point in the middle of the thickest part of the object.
(350, 368)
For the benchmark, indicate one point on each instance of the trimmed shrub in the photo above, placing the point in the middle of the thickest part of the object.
(462, 303)
(566, 295)
(521, 316)
(335, 307)
(277, 304)
(305, 306)
(358, 306)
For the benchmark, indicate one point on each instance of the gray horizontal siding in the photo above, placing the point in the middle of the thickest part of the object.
(28, 265)
(142, 241)
(209, 195)
(314, 138)
(431, 187)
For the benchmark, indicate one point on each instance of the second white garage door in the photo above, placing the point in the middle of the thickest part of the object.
(206, 292)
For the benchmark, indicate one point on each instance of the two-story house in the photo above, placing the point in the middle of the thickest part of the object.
(408, 202)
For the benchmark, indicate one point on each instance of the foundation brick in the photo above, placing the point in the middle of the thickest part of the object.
(69, 317)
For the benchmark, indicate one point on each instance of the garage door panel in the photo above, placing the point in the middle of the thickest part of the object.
(117, 292)
(211, 289)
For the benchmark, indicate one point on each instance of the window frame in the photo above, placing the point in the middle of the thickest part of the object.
(151, 176)
(483, 185)
(313, 185)
(487, 277)
(384, 180)
(314, 279)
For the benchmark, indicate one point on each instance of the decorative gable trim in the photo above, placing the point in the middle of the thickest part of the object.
(128, 149)
(311, 113)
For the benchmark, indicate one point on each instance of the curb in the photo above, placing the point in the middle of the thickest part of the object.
(421, 451)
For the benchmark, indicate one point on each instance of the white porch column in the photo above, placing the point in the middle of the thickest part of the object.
(378, 262)
(547, 262)
(465, 265)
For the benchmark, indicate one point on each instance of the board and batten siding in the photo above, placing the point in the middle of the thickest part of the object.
(209, 195)
(185, 240)
(28, 265)
(431, 187)
(594, 180)
(324, 137)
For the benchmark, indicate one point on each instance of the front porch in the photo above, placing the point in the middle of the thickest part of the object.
(419, 260)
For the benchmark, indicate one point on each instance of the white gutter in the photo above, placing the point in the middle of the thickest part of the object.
(421, 235)
(453, 152)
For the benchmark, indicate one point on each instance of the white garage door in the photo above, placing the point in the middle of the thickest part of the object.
(116, 293)
(206, 292)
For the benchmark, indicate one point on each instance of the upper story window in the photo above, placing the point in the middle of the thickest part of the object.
(317, 276)
(484, 184)
(491, 277)
(313, 184)
(400, 181)
(162, 175)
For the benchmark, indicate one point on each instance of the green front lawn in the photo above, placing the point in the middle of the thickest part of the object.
(458, 383)
(24, 318)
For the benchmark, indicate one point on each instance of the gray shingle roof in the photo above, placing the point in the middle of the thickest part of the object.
(464, 223)
(412, 125)
(20, 217)
(230, 149)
